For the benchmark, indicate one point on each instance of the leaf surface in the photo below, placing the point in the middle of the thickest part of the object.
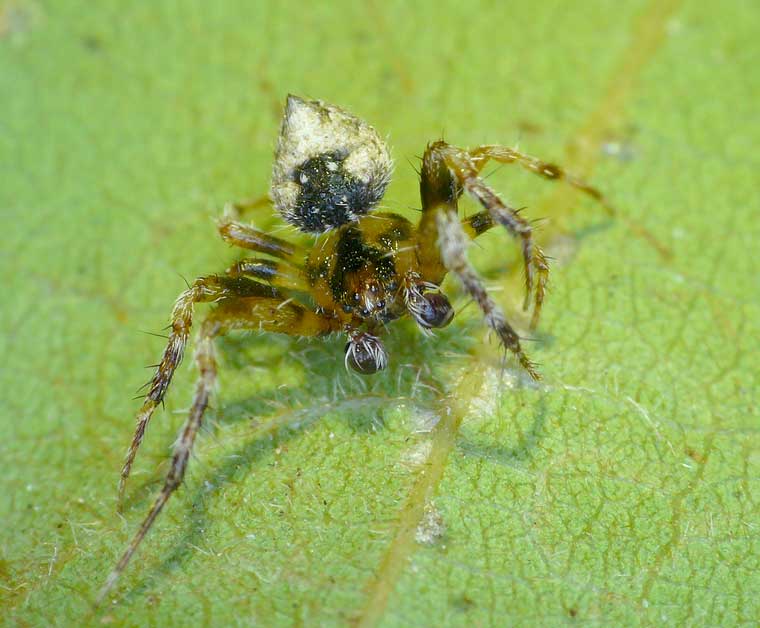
(449, 490)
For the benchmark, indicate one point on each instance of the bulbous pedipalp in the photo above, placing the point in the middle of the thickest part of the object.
(435, 310)
(365, 354)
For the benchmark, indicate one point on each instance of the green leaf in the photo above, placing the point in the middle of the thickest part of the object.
(623, 489)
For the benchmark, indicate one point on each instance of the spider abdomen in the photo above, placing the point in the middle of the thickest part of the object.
(330, 167)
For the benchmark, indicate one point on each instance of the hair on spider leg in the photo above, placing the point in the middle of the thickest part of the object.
(521, 369)
(466, 305)
(477, 244)
(187, 283)
(496, 169)
(530, 339)
(153, 333)
(139, 394)
(539, 220)
(413, 166)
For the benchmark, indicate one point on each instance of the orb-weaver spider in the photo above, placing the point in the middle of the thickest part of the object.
(365, 269)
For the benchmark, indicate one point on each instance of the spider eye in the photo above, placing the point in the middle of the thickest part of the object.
(365, 354)
(434, 310)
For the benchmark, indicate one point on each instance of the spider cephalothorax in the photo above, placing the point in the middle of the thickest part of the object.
(364, 269)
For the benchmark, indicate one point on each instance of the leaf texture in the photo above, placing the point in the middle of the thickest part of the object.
(449, 490)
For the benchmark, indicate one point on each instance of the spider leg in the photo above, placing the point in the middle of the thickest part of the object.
(206, 363)
(452, 241)
(204, 289)
(279, 274)
(245, 236)
(482, 154)
(464, 169)
(267, 313)
(478, 158)
(443, 240)
(478, 224)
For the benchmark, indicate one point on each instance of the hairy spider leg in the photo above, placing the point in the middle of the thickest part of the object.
(247, 237)
(271, 313)
(482, 154)
(478, 224)
(287, 273)
(279, 274)
(467, 174)
(203, 289)
(206, 364)
(443, 240)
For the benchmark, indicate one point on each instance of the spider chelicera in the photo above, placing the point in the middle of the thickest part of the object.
(364, 269)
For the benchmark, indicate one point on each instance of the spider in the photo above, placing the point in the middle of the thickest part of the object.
(364, 269)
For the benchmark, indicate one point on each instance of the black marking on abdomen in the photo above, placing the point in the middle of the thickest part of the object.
(329, 195)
